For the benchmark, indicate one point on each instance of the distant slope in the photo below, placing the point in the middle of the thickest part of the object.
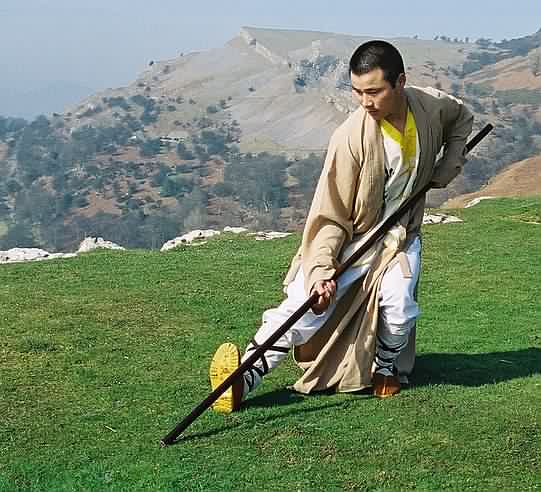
(518, 72)
(520, 179)
(287, 89)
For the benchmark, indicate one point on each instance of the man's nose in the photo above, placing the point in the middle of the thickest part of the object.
(366, 101)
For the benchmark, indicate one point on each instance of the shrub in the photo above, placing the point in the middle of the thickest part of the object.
(150, 147)
(91, 111)
(117, 101)
(223, 189)
(81, 201)
(519, 96)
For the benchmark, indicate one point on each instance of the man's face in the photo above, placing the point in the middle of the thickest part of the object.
(376, 95)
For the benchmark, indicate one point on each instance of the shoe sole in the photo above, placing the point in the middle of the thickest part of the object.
(385, 395)
(386, 388)
(225, 361)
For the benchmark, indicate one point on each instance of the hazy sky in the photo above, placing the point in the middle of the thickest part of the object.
(104, 43)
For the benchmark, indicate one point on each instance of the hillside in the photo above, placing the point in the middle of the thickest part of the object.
(289, 89)
(283, 87)
(518, 180)
(518, 72)
(233, 136)
(102, 354)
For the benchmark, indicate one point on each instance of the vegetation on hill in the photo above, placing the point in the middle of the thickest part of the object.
(521, 179)
(516, 141)
(102, 354)
(165, 188)
(490, 52)
(139, 191)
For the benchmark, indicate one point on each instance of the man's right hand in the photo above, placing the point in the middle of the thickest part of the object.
(326, 290)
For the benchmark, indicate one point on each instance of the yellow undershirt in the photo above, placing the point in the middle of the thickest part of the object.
(407, 140)
(401, 157)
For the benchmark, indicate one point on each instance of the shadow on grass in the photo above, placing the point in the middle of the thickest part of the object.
(274, 398)
(279, 397)
(476, 369)
(456, 369)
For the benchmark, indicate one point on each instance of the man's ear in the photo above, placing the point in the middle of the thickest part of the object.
(401, 81)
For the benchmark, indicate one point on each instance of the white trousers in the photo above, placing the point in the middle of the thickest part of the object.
(398, 312)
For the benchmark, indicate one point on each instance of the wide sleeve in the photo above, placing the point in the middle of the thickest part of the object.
(456, 121)
(330, 219)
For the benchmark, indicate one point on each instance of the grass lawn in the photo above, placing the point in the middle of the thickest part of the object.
(102, 354)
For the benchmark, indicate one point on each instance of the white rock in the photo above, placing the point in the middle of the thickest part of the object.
(15, 255)
(235, 230)
(188, 238)
(266, 236)
(91, 243)
(475, 201)
(23, 254)
(439, 218)
(53, 256)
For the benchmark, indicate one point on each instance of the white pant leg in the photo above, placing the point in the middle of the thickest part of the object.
(398, 310)
(299, 333)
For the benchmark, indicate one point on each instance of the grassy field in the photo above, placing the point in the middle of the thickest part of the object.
(102, 354)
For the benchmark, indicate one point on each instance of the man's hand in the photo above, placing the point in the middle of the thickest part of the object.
(326, 290)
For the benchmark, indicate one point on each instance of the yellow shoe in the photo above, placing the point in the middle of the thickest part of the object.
(225, 361)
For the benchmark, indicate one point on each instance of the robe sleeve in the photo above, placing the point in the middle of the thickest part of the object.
(330, 219)
(456, 121)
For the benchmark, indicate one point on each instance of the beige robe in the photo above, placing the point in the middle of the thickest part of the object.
(347, 205)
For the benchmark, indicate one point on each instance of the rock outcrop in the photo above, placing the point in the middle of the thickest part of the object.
(92, 243)
(235, 230)
(15, 255)
(475, 201)
(193, 238)
(189, 238)
(266, 236)
(440, 218)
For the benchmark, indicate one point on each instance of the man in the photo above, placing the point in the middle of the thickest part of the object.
(361, 331)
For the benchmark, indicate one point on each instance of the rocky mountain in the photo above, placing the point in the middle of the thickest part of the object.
(236, 135)
(287, 89)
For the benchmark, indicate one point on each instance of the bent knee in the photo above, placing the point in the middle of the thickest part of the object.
(400, 311)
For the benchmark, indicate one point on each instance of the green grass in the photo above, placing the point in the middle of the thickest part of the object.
(102, 354)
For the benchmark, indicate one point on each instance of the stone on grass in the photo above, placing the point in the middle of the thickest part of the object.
(14, 255)
(440, 218)
(475, 201)
(235, 230)
(92, 243)
(266, 236)
(188, 238)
